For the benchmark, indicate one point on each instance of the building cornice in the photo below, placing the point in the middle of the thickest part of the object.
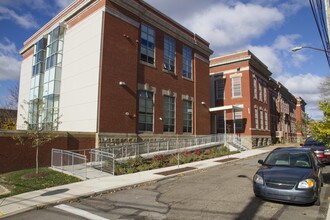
(148, 16)
(65, 15)
(229, 61)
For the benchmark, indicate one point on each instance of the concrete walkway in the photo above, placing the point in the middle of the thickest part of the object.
(40, 198)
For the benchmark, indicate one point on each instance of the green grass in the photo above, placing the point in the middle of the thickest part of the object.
(17, 185)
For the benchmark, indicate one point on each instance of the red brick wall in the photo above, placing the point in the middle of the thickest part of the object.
(202, 94)
(119, 63)
(16, 157)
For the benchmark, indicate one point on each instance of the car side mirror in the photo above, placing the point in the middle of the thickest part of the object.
(261, 162)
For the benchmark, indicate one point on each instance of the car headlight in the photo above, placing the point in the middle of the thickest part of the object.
(258, 179)
(306, 184)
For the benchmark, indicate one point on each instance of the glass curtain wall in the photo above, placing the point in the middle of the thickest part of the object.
(46, 80)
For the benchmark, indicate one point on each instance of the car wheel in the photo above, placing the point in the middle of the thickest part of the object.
(317, 202)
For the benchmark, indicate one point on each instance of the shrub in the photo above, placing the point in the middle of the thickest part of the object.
(143, 167)
(185, 159)
(198, 152)
(134, 162)
(173, 160)
(156, 164)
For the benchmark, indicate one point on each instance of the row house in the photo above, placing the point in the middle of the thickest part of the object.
(248, 102)
(119, 69)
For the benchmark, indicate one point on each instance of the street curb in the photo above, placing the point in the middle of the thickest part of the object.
(120, 188)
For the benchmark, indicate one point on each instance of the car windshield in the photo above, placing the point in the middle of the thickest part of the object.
(287, 158)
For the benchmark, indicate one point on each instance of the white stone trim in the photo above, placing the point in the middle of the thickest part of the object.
(121, 16)
(187, 97)
(169, 93)
(156, 21)
(147, 87)
(196, 55)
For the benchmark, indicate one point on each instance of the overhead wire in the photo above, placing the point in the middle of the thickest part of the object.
(318, 13)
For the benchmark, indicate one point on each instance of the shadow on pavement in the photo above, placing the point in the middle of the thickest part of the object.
(54, 192)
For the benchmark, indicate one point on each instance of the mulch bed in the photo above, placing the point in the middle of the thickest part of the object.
(180, 170)
(226, 160)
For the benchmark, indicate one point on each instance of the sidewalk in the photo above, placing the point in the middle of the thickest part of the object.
(40, 198)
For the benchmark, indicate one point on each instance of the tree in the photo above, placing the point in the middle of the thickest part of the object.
(8, 112)
(41, 127)
(320, 130)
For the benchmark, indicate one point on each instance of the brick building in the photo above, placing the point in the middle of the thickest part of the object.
(247, 101)
(121, 69)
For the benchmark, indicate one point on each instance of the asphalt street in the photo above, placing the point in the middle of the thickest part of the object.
(221, 192)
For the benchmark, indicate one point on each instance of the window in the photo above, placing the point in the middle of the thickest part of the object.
(147, 45)
(146, 110)
(265, 94)
(255, 90)
(45, 81)
(236, 87)
(54, 48)
(187, 116)
(256, 119)
(239, 119)
(220, 88)
(260, 92)
(261, 119)
(169, 54)
(220, 122)
(169, 114)
(266, 120)
(39, 57)
(187, 62)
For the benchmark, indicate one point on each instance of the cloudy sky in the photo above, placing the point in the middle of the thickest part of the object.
(268, 28)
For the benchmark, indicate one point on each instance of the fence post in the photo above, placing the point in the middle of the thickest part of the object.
(72, 161)
(62, 160)
(113, 164)
(52, 157)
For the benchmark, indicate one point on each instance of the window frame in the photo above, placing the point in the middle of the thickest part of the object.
(238, 120)
(220, 91)
(169, 54)
(187, 116)
(169, 113)
(236, 83)
(187, 64)
(261, 117)
(147, 94)
(256, 117)
(149, 47)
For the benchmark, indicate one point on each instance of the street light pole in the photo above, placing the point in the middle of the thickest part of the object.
(326, 52)
(313, 48)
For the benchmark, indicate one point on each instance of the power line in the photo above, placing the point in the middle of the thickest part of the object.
(320, 20)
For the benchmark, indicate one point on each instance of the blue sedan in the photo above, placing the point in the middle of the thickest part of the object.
(292, 175)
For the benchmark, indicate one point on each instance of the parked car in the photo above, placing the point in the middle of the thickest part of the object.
(292, 175)
(320, 149)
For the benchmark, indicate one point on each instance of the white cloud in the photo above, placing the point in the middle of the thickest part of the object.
(306, 86)
(25, 20)
(226, 26)
(9, 61)
(268, 55)
(63, 3)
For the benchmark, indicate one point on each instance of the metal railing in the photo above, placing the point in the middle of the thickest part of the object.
(102, 161)
(70, 162)
(163, 146)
